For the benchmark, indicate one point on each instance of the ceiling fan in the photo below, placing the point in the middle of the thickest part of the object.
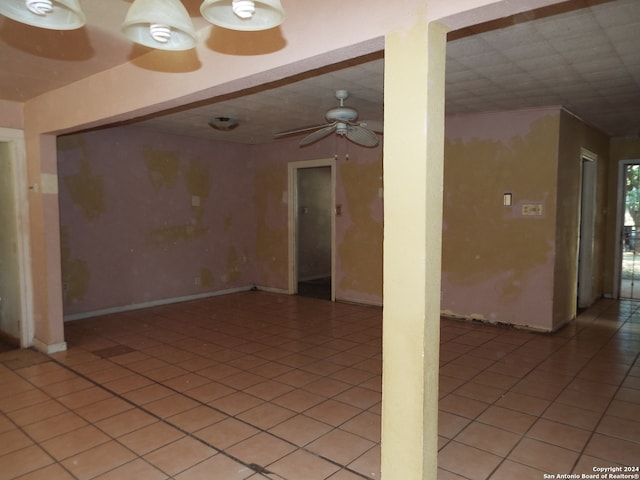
(343, 121)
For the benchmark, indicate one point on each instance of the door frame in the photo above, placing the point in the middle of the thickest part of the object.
(15, 140)
(293, 168)
(620, 203)
(586, 227)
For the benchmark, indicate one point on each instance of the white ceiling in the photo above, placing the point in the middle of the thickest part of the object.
(586, 59)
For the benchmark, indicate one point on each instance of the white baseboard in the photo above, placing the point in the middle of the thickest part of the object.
(273, 290)
(154, 303)
(49, 349)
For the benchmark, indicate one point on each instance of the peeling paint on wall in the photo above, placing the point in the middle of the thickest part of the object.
(163, 167)
(86, 191)
(75, 272)
(496, 262)
(482, 238)
(361, 247)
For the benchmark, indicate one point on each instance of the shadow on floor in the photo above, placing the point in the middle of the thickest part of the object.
(317, 288)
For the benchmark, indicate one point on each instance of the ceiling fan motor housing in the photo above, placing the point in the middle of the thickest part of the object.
(342, 114)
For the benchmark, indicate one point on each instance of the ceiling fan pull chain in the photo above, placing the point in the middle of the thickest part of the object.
(39, 7)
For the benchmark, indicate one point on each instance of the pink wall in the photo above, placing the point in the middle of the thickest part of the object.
(11, 114)
(358, 230)
(131, 234)
(498, 262)
(130, 231)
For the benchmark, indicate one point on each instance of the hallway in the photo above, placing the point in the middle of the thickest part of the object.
(258, 385)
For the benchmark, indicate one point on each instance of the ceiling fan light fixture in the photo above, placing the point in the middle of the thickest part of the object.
(50, 14)
(245, 15)
(162, 24)
(224, 124)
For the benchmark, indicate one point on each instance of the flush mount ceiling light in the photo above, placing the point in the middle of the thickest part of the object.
(162, 24)
(247, 15)
(51, 14)
(223, 123)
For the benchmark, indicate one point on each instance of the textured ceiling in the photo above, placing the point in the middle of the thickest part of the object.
(585, 59)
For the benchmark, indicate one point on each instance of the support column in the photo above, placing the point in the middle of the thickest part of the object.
(44, 223)
(413, 176)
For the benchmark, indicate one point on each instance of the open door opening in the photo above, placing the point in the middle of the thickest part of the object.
(586, 234)
(311, 232)
(629, 247)
(15, 323)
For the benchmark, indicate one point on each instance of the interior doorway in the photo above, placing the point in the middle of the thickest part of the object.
(629, 218)
(311, 255)
(586, 233)
(15, 290)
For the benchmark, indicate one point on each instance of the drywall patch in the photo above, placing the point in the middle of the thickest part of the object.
(163, 167)
(75, 272)
(361, 248)
(86, 191)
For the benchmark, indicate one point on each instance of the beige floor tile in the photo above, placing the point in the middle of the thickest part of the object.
(35, 413)
(226, 433)
(171, 405)
(509, 470)
(125, 422)
(462, 406)
(366, 425)
(569, 415)
(368, 464)
(467, 461)
(559, 434)
(266, 415)
(103, 409)
(98, 460)
(543, 456)
(340, 446)
(196, 419)
(74, 442)
(218, 467)
(301, 464)
(619, 427)
(236, 403)
(615, 449)
(300, 429)
(262, 449)
(150, 438)
(137, 469)
(13, 440)
(180, 455)
(491, 439)
(333, 412)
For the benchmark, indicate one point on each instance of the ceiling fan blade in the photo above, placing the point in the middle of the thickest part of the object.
(301, 130)
(362, 136)
(373, 125)
(315, 136)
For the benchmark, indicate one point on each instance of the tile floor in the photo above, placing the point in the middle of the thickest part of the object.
(264, 386)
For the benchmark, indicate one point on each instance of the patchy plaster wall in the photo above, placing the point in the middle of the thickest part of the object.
(147, 217)
(358, 230)
(498, 262)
